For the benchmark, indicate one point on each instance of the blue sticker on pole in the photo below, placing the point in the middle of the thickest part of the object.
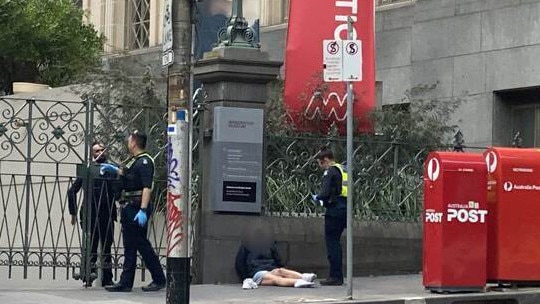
(171, 130)
(181, 115)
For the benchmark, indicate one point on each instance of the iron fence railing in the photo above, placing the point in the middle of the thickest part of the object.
(42, 142)
(387, 175)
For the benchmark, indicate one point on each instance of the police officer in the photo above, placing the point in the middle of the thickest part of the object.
(137, 178)
(333, 196)
(102, 214)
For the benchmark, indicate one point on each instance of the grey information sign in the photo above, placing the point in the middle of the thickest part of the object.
(237, 149)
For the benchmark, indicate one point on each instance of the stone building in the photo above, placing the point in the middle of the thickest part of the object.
(480, 51)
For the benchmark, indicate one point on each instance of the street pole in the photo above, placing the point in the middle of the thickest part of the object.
(350, 173)
(178, 132)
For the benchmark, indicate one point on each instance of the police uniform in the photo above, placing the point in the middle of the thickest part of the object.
(137, 174)
(102, 213)
(334, 197)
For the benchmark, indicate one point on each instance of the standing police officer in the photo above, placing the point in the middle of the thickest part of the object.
(137, 178)
(100, 228)
(333, 196)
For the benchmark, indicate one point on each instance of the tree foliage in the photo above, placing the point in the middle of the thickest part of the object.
(420, 121)
(123, 103)
(45, 41)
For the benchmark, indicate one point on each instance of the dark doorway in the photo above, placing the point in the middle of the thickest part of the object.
(517, 118)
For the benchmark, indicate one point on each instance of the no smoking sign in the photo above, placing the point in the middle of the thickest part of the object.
(342, 60)
(352, 48)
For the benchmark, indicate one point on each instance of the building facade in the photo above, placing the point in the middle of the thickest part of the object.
(137, 24)
(481, 52)
(126, 24)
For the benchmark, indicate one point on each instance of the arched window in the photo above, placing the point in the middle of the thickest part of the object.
(139, 21)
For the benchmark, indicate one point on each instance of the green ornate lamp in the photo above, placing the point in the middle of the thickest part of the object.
(238, 33)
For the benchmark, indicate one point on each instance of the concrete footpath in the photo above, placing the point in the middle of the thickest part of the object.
(384, 289)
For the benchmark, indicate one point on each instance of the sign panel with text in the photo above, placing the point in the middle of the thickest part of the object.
(342, 60)
(333, 60)
(237, 162)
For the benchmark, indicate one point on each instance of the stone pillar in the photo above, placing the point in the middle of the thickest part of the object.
(235, 80)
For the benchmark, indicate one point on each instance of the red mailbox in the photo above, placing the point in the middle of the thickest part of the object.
(514, 207)
(455, 222)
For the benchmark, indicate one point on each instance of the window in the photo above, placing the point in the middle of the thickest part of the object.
(285, 12)
(383, 5)
(397, 107)
(274, 12)
(516, 119)
(139, 29)
(526, 121)
(389, 2)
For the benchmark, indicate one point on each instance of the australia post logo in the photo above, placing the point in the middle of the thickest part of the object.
(458, 213)
(466, 215)
(491, 161)
(433, 169)
(509, 186)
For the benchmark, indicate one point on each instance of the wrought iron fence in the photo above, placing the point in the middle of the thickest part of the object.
(387, 175)
(42, 143)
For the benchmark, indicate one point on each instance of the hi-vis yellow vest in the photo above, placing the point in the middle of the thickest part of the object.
(344, 179)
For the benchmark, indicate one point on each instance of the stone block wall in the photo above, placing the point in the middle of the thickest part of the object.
(379, 248)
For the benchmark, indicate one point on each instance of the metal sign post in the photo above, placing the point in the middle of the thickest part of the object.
(350, 167)
(342, 61)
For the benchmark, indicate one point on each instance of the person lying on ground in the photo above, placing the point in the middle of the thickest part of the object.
(258, 259)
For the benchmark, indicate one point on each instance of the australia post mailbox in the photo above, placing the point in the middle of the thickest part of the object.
(455, 222)
(514, 207)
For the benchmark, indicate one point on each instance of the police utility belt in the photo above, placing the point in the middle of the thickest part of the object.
(131, 197)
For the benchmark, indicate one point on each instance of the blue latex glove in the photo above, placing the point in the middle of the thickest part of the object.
(316, 199)
(104, 168)
(141, 218)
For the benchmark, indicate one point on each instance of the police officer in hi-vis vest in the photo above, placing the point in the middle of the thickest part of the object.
(137, 181)
(333, 196)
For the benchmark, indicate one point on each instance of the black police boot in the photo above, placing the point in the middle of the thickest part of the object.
(332, 282)
(153, 286)
(107, 283)
(118, 288)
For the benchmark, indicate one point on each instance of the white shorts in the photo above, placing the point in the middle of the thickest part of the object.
(259, 275)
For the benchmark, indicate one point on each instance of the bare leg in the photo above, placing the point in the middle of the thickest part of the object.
(270, 279)
(286, 273)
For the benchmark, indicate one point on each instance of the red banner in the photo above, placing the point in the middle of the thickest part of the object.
(312, 104)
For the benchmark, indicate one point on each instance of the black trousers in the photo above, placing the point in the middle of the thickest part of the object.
(334, 224)
(100, 232)
(135, 240)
